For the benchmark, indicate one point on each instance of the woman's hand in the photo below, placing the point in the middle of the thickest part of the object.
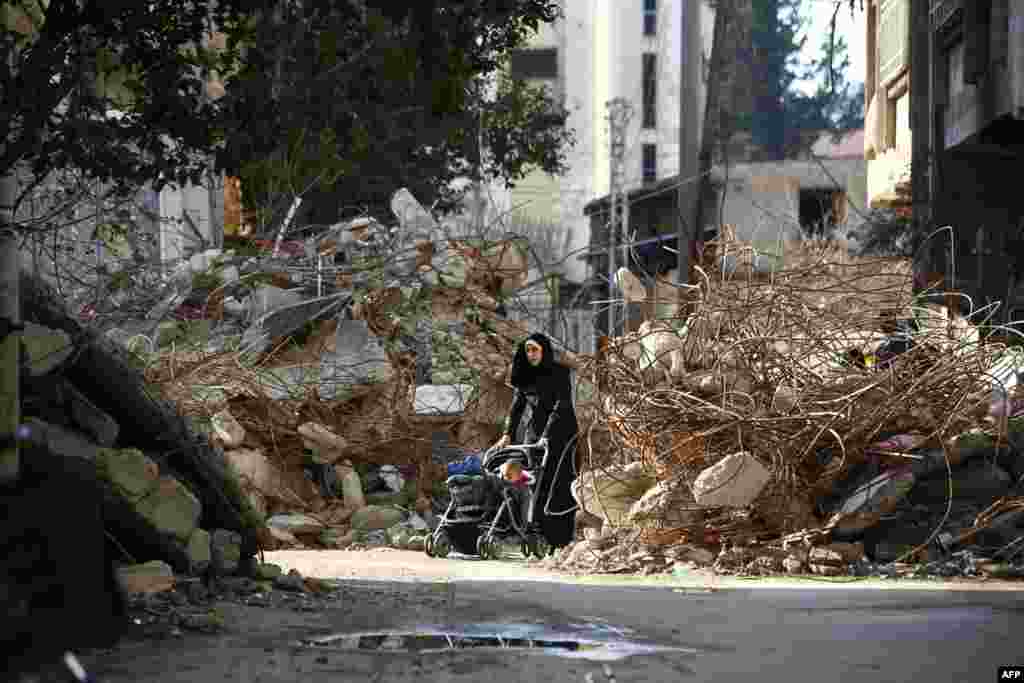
(502, 442)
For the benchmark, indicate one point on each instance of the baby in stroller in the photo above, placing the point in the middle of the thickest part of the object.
(495, 506)
(501, 503)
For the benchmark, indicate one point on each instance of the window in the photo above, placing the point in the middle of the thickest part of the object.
(650, 94)
(538, 63)
(650, 17)
(650, 163)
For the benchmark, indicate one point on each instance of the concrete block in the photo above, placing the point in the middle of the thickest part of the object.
(199, 553)
(132, 474)
(171, 508)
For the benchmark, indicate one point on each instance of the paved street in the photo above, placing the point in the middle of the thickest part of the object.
(603, 630)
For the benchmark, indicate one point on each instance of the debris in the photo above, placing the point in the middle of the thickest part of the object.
(879, 496)
(171, 508)
(226, 551)
(296, 524)
(611, 492)
(129, 470)
(392, 478)
(266, 571)
(227, 429)
(146, 578)
(351, 486)
(200, 552)
(337, 538)
(47, 349)
(734, 481)
(441, 399)
(376, 517)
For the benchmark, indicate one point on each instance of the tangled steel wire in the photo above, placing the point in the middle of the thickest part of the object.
(780, 365)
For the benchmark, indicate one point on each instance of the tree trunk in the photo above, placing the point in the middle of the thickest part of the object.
(689, 117)
(728, 92)
(10, 406)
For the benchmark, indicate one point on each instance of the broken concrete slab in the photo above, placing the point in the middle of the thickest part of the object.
(47, 348)
(351, 486)
(734, 481)
(133, 475)
(287, 318)
(227, 429)
(199, 551)
(358, 358)
(146, 578)
(90, 419)
(253, 468)
(171, 508)
(866, 505)
(376, 517)
(296, 524)
(60, 441)
(225, 551)
(442, 399)
(329, 446)
(610, 493)
(668, 503)
(335, 537)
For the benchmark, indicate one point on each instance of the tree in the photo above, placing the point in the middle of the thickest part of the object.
(393, 94)
(777, 42)
(114, 88)
(783, 118)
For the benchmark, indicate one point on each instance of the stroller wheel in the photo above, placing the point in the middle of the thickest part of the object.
(428, 547)
(483, 548)
(524, 548)
(540, 547)
(442, 545)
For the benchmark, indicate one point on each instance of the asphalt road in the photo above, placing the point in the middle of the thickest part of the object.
(484, 624)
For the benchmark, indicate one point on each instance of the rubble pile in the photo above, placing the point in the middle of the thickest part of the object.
(817, 419)
(320, 399)
(168, 495)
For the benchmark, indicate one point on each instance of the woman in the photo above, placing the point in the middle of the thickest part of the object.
(537, 378)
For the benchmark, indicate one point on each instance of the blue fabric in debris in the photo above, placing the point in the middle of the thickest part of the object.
(469, 465)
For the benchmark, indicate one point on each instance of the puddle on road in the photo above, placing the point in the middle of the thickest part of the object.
(599, 642)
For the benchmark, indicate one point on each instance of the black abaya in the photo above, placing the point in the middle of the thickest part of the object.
(545, 385)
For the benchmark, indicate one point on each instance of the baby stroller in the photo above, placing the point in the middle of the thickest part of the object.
(485, 508)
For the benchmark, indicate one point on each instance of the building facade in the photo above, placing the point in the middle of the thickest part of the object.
(971, 135)
(601, 50)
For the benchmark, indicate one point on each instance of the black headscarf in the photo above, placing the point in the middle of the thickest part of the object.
(524, 374)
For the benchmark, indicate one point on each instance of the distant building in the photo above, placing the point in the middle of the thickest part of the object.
(973, 140)
(768, 203)
(601, 50)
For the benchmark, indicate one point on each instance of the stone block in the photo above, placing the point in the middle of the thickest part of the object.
(171, 508)
(47, 348)
(296, 524)
(611, 493)
(90, 419)
(199, 551)
(376, 517)
(734, 481)
(132, 474)
(228, 430)
(61, 441)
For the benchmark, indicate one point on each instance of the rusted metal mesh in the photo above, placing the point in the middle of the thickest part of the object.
(768, 364)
